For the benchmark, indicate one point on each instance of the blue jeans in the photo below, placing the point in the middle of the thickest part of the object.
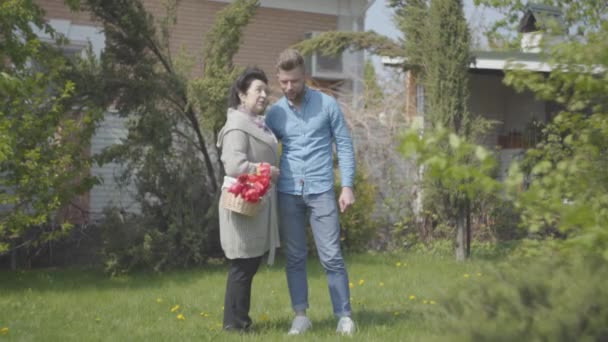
(325, 225)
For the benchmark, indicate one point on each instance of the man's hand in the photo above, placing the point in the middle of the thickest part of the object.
(347, 198)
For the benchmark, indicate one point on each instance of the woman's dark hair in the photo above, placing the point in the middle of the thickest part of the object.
(243, 82)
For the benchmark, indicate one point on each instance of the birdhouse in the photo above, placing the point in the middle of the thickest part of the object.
(538, 23)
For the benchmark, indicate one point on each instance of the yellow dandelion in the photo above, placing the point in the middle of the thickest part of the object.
(466, 275)
(412, 297)
(381, 284)
(264, 317)
(432, 302)
(361, 281)
(204, 314)
(479, 274)
(425, 301)
(4, 331)
(175, 308)
(351, 285)
(181, 317)
(159, 300)
(398, 264)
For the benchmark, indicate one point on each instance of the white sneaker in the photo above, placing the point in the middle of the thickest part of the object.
(299, 325)
(346, 326)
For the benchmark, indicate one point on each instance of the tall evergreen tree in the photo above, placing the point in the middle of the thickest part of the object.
(170, 154)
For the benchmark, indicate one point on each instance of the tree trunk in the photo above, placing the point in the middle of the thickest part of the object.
(461, 234)
(14, 259)
(468, 223)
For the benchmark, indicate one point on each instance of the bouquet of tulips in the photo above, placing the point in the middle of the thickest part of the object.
(252, 187)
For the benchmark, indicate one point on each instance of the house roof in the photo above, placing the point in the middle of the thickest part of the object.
(493, 60)
(329, 7)
(505, 60)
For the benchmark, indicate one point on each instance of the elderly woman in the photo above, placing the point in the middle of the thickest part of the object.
(245, 143)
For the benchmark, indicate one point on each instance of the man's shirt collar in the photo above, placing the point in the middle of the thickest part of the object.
(305, 99)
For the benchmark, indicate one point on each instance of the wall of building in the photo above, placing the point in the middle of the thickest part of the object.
(270, 31)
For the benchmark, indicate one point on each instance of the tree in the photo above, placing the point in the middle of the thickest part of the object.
(47, 117)
(169, 154)
(443, 54)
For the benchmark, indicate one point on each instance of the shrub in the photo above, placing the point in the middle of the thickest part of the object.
(357, 224)
(177, 226)
(540, 299)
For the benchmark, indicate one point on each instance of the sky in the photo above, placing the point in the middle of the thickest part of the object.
(379, 18)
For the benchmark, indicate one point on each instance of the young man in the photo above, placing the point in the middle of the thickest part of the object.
(308, 122)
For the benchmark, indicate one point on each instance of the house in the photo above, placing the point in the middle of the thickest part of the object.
(276, 25)
(518, 116)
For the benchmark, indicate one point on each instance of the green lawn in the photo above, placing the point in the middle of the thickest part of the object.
(394, 298)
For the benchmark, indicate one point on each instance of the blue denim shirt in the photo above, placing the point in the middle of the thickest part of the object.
(307, 138)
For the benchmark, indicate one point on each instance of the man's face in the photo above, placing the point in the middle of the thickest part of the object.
(292, 83)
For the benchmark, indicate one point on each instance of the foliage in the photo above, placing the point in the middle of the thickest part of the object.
(358, 227)
(461, 172)
(171, 232)
(561, 185)
(445, 68)
(334, 42)
(209, 93)
(374, 96)
(557, 299)
(566, 173)
(172, 118)
(411, 17)
(46, 120)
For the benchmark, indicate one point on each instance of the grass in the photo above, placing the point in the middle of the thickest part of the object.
(395, 297)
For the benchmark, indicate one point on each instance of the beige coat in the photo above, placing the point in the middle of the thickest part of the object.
(244, 144)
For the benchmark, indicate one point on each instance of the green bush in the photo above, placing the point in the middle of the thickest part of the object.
(358, 226)
(532, 299)
(177, 226)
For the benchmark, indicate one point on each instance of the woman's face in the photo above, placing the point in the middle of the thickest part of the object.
(255, 100)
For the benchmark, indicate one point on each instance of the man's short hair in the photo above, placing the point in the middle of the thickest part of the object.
(290, 59)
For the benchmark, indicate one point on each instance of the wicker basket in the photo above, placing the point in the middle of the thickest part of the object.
(238, 204)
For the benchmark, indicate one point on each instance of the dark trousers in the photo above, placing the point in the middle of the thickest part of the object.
(238, 293)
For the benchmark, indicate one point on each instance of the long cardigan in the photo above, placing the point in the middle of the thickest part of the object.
(245, 144)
